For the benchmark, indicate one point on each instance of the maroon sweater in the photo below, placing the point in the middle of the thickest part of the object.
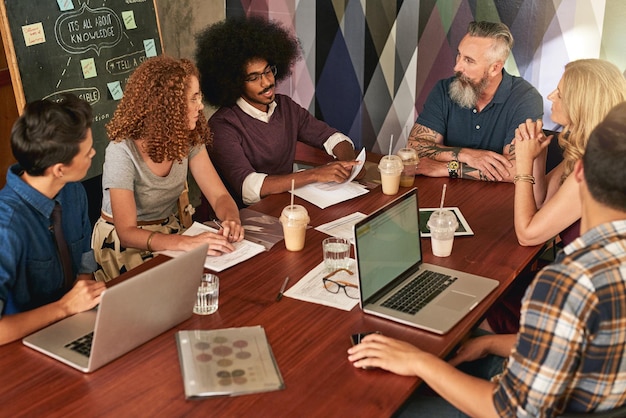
(244, 145)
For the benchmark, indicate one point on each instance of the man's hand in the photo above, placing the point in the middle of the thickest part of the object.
(337, 171)
(83, 296)
(479, 347)
(432, 168)
(376, 350)
(493, 166)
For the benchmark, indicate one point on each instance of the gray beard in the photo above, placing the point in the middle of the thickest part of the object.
(465, 93)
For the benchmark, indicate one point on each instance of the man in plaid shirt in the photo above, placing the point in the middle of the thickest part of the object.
(570, 352)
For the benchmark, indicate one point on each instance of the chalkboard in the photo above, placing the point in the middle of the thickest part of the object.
(88, 48)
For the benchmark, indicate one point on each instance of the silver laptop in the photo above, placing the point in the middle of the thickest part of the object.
(395, 284)
(129, 314)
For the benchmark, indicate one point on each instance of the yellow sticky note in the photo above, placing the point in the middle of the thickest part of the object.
(129, 19)
(34, 34)
(89, 68)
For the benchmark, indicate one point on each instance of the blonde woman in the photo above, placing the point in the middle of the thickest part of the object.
(547, 205)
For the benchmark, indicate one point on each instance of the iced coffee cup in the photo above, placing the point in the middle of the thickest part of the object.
(390, 168)
(409, 159)
(442, 225)
(294, 219)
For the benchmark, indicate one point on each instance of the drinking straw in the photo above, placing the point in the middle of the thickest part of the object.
(292, 183)
(408, 133)
(443, 196)
(390, 144)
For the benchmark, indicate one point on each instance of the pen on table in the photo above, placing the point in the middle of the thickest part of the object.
(282, 289)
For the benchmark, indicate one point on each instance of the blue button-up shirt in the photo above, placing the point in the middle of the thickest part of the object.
(490, 129)
(31, 274)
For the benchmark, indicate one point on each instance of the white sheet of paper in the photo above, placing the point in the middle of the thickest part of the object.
(342, 227)
(243, 250)
(310, 288)
(323, 195)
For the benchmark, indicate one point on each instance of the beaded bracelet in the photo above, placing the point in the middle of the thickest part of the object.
(150, 241)
(529, 178)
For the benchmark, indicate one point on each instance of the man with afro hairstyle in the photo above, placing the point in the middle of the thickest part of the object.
(255, 129)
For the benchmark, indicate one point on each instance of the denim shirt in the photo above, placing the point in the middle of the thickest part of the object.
(31, 274)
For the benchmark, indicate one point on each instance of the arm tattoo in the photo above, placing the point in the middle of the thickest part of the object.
(426, 142)
(511, 153)
(430, 150)
(468, 172)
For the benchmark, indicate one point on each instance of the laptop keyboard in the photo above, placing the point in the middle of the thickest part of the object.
(419, 291)
(81, 345)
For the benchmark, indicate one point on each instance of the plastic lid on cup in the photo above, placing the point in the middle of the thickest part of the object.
(390, 164)
(442, 220)
(294, 215)
(408, 154)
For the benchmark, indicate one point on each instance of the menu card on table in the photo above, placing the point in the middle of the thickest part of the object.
(227, 362)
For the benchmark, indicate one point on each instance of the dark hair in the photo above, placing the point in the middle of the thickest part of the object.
(497, 31)
(604, 158)
(50, 132)
(224, 48)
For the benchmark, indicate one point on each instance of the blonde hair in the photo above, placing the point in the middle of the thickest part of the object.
(590, 89)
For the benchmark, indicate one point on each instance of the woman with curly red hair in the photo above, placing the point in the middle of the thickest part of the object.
(158, 131)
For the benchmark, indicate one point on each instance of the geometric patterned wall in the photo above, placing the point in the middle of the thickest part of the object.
(354, 75)
(548, 34)
(369, 64)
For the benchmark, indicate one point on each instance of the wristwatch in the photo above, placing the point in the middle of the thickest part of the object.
(453, 169)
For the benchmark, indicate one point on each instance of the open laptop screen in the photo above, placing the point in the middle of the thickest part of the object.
(388, 244)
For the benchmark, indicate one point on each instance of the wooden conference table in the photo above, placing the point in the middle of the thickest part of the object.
(309, 341)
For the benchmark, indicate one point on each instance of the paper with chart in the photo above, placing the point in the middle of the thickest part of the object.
(243, 250)
(323, 195)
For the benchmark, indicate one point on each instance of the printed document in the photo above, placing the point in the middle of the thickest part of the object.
(324, 195)
(311, 288)
(243, 250)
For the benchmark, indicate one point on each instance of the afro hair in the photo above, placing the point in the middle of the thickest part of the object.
(224, 48)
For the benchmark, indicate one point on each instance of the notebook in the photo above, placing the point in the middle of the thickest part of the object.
(395, 284)
(129, 314)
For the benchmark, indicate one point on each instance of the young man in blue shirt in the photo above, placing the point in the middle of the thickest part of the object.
(468, 121)
(53, 145)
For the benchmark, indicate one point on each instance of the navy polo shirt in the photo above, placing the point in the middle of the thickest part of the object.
(30, 269)
(491, 129)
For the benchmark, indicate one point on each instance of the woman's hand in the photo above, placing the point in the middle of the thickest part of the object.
(232, 230)
(530, 141)
(218, 243)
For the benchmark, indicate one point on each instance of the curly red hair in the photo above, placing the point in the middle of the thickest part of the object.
(154, 108)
